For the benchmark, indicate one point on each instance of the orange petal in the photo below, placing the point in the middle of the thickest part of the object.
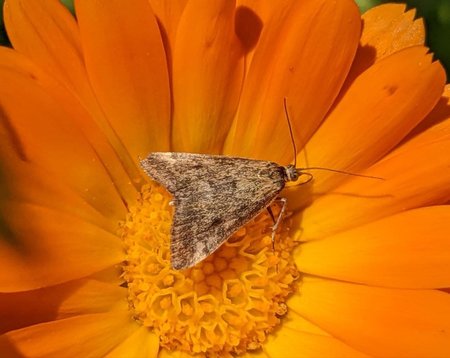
(298, 323)
(23, 182)
(85, 296)
(208, 67)
(378, 321)
(408, 250)
(111, 275)
(416, 174)
(253, 354)
(46, 32)
(315, 342)
(168, 14)
(95, 334)
(127, 67)
(250, 17)
(142, 343)
(91, 296)
(264, 10)
(378, 110)
(164, 353)
(114, 157)
(386, 29)
(310, 340)
(307, 345)
(47, 247)
(440, 113)
(288, 62)
(43, 132)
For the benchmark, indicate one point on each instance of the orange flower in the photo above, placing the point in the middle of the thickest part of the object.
(360, 267)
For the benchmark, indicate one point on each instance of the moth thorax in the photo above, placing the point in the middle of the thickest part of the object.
(291, 173)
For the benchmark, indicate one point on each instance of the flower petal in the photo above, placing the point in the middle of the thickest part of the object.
(114, 156)
(164, 353)
(288, 64)
(378, 110)
(208, 67)
(92, 296)
(168, 14)
(43, 132)
(416, 174)
(46, 32)
(51, 247)
(22, 182)
(50, 37)
(307, 345)
(127, 68)
(386, 29)
(298, 323)
(142, 343)
(378, 321)
(253, 354)
(99, 334)
(407, 250)
(21, 309)
(315, 342)
(264, 10)
(440, 113)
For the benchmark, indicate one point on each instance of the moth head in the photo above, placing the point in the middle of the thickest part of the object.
(291, 173)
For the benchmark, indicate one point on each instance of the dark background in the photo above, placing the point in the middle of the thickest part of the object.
(435, 12)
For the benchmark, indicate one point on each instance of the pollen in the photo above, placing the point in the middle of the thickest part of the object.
(226, 304)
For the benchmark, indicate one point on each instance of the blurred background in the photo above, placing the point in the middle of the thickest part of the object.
(435, 12)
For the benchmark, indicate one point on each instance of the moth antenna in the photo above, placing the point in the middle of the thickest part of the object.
(299, 170)
(286, 112)
(309, 175)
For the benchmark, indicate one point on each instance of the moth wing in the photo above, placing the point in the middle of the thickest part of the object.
(214, 196)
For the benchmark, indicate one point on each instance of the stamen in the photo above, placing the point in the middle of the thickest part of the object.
(228, 303)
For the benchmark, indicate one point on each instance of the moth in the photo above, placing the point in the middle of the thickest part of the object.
(214, 196)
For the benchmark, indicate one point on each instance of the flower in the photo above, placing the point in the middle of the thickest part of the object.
(360, 267)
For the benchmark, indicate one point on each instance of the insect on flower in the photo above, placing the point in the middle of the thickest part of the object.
(215, 195)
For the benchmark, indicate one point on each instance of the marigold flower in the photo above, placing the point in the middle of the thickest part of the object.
(360, 267)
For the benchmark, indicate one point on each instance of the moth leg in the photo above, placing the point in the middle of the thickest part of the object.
(269, 210)
(280, 215)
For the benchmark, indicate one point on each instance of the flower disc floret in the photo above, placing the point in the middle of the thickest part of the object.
(228, 303)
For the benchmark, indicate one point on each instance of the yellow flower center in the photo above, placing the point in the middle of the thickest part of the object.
(227, 303)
